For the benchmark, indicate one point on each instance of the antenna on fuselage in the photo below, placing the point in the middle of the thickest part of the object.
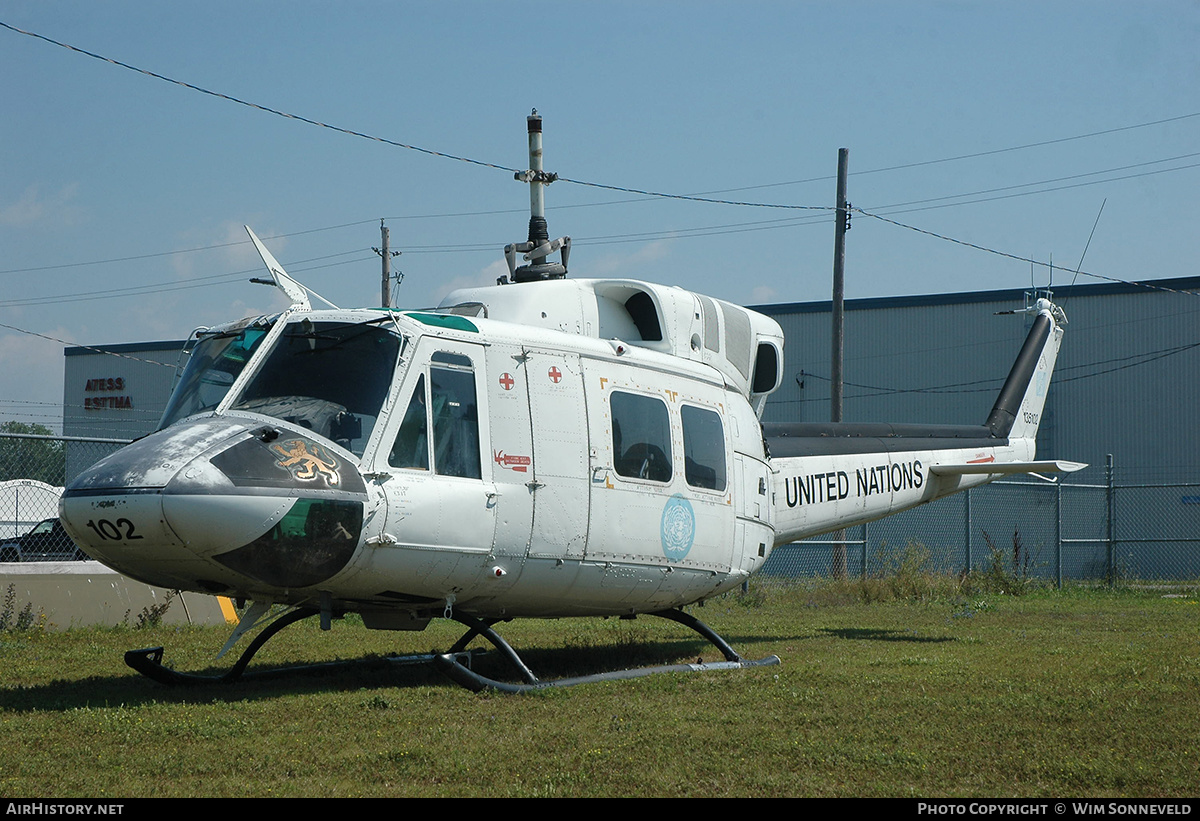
(539, 245)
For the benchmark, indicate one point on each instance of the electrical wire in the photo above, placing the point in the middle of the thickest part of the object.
(639, 191)
(248, 104)
(991, 385)
(85, 347)
(712, 230)
(178, 250)
(1017, 257)
(591, 184)
(906, 205)
(208, 281)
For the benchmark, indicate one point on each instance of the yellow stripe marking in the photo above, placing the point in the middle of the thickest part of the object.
(227, 610)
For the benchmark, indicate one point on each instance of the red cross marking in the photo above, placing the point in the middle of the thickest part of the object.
(555, 374)
(506, 381)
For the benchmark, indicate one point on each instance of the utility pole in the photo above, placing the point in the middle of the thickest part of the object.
(386, 255)
(838, 560)
(839, 287)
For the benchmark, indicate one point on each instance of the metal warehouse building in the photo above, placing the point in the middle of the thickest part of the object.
(114, 392)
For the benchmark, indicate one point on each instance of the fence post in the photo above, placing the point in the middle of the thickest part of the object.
(967, 505)
(1108, 525)
(1058, 581)
(866, 541)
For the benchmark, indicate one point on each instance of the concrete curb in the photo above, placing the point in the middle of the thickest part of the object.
(78, 594)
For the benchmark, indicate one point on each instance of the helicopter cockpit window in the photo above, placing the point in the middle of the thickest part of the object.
(641, 437)
(703, 448)
(450, 410)
(329, 377)
(215, 362)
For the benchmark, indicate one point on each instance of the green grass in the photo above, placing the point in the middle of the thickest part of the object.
(930, 693)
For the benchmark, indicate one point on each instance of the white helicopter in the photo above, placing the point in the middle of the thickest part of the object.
(547, 447)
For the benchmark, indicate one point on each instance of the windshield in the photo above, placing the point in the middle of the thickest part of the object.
(215, 363)
(330, 377)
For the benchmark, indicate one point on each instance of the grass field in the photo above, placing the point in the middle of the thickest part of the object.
(1048, 694)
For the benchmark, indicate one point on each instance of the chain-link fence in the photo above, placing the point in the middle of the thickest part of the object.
(33, 470)
(1058, 532)
(1032, 529)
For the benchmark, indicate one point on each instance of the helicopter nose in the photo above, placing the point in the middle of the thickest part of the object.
(114, 508)
(220, 505)
(283, 510)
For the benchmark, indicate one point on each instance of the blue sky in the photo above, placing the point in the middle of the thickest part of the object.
(107, 171)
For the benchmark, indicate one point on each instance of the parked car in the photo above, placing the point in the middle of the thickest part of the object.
(47, 542)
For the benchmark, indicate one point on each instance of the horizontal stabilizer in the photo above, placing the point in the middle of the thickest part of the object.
(1046, 466)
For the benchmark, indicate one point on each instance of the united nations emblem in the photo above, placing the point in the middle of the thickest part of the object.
(678, 529)
(307, 460)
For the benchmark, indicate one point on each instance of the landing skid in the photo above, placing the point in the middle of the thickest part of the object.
(449, 664)
(148, 661)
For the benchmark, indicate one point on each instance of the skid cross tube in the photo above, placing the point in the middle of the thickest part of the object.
(475, 682)
(483, 627)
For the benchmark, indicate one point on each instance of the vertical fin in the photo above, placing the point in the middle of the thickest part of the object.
(1018, 410)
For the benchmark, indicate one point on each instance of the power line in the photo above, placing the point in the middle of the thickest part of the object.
(712, 230)
(904, 205)
(197, 282)
(178, 250)
(1017, 257)
(384, 140)
(248, 104)
(608, 187)
(86, 347)
(1042, 190)
(715, 230)
(630, 190)
(991, 385)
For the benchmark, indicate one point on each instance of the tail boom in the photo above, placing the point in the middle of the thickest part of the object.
(837, 475)
(819, 494)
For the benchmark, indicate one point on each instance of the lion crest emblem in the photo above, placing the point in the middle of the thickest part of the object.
(307, 461)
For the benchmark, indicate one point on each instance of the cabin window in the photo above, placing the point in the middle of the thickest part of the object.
(411, 448)
(703, 448)
(455, 422)
(641, 431)
(450, 410)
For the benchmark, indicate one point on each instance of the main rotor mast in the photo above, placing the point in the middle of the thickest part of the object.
(539, 246)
